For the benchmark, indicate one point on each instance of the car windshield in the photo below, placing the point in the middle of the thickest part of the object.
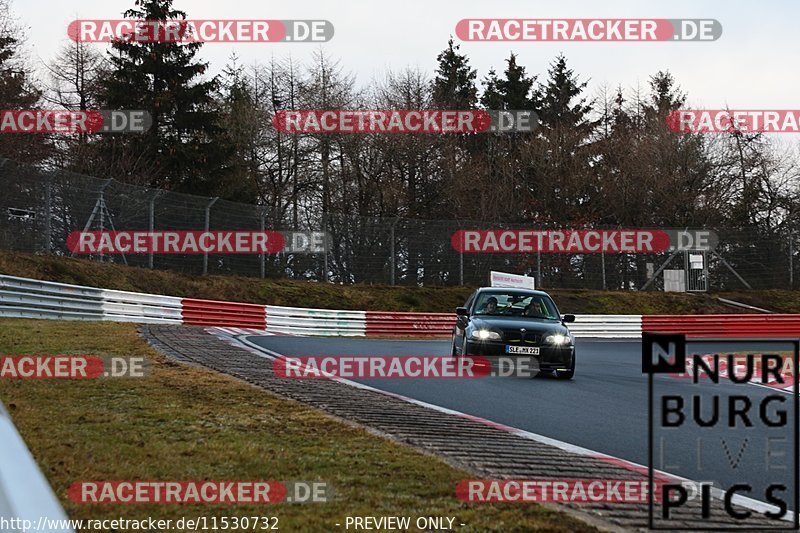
(523, 305)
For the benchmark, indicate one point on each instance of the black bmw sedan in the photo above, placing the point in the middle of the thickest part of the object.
(515, 322)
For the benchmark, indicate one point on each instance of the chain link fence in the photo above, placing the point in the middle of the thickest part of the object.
(40, 208)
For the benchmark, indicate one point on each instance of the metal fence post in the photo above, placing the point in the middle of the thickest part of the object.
(539, 269)
(325, 254)
(151, 224)
(262, 259)
(461, 267)
(392, 264)
(208, 222)
(102, 201)
(48, 215)
(603, 266)
(791, 260)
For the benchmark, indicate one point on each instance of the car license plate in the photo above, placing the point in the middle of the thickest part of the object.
(525, 350)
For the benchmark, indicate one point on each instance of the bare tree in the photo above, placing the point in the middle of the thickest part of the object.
(75, 74)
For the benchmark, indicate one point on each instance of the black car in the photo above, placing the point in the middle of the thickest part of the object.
(515, 322)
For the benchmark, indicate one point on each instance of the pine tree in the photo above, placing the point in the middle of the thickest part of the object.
(492, 97)
(517, 86)
(560, 178)
(184, 148)
(502, 153)
(560, 100)
(454, 84)
(245, 122)
(18, 91)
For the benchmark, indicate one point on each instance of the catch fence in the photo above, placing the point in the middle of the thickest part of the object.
(40, 208)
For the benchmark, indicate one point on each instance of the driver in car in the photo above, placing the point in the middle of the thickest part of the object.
(491, 306)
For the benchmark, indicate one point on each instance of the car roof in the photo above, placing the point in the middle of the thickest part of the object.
(512, 290)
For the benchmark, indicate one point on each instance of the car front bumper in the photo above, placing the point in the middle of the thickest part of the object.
(550, 357)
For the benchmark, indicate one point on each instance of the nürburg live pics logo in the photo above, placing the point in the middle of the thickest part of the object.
(731, 429)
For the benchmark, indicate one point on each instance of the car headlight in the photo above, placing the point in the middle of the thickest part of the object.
(558, 339)
(485, 335)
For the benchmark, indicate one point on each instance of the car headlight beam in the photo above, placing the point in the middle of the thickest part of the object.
(558, 339)
(485, 335)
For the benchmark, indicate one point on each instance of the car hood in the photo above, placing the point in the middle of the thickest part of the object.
(533, 325)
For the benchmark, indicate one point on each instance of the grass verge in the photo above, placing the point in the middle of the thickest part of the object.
(187, 423)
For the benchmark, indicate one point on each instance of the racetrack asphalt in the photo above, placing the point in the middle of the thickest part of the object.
(604, 408)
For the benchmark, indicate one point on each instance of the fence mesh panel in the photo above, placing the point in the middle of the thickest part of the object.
(39, 209)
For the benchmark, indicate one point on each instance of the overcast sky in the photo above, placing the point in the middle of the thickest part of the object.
(754, 65)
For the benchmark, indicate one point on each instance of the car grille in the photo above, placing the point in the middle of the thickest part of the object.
(515, 335)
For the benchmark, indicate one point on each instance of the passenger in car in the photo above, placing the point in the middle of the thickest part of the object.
(534, 309)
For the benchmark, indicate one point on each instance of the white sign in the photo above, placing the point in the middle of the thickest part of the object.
(503, 279)
(696, 261)
(674, 281)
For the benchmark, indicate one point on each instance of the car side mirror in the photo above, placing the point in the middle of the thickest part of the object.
(461, 311)
(568, 318)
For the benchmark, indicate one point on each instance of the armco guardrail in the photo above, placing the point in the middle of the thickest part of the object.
(385, 324)
(302, 321)
(120, 305)
(24, 492)
(607, 326)
(754, 326)
(216, 313)
(390, 324)
(31, 298)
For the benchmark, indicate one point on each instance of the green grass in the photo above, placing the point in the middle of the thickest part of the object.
(187, 423)
(778, 300)
(331, 296)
